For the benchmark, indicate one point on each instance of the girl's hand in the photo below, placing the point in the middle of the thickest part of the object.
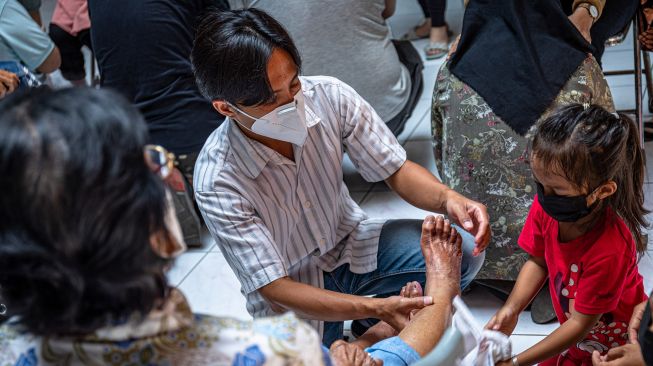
(504, 363)
(504, 321)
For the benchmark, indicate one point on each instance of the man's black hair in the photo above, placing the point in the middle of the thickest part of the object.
(231, 53)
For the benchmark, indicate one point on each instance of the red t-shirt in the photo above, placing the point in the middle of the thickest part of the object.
(598, 270)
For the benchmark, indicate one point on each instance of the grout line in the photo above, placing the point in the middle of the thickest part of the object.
(192, 269)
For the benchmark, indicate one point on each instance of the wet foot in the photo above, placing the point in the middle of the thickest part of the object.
(442, 250)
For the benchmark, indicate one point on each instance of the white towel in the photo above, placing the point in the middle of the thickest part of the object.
(482, 347)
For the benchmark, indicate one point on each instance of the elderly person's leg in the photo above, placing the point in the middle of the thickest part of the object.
(399, 261)
(441, 247)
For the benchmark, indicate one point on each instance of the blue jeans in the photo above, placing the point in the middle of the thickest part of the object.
(399, 260)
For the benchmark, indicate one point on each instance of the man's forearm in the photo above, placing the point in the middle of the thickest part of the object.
(310, 302)
(419, 187)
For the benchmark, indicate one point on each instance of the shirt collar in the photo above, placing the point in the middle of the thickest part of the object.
(252, 156)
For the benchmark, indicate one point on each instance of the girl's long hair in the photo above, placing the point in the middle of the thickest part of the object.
(592, 146)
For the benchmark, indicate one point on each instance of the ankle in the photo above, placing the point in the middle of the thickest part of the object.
(439, 34)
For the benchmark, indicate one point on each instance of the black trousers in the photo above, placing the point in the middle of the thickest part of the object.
(434, 9)
(72, 58)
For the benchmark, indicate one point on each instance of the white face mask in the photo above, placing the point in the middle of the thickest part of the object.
(284, 123)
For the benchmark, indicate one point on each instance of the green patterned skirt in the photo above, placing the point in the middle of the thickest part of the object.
(481, 157)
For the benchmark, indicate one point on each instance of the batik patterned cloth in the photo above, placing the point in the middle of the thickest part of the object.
(172, 335)
(481, 157)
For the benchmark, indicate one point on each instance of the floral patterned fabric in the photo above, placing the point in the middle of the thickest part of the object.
(481, 157)
(172, 336)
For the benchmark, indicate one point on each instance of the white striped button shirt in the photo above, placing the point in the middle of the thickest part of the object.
(272, 217)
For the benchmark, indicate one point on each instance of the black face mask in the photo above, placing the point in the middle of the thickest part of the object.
(564, 209)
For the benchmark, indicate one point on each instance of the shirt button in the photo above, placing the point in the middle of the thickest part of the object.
(307, 204)
(322, 241)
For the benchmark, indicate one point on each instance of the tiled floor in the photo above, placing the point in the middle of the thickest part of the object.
(211, 287)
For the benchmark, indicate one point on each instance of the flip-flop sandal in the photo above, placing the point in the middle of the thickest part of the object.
(436, 50)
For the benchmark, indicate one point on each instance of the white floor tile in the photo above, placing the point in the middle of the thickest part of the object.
(646, 270)
(402, 23)
(422, 108)
(648, 148)
(423, 129)
(484, 305)
(212, 288)
(357, 196)
(389, 205)
(521, 343)
(182, 266)
(623, 96)
(410, 7)
(430, 73)
(207, 243)
(617, 60)
(421, 152)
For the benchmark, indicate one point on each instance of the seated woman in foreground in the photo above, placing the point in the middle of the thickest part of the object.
(87, 233)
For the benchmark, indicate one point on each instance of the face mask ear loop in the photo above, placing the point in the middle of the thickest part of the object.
(242, 112)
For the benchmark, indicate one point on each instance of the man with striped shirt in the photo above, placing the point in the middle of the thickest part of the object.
(269, 184)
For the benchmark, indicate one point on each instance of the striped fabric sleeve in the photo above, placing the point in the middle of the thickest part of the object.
(372, 147)
(243, 238)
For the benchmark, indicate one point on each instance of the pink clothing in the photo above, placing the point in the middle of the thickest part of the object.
(71, 16)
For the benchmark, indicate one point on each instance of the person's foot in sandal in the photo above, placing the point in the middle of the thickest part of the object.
(438, 46)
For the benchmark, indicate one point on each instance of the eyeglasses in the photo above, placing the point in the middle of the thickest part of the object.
(160, 160)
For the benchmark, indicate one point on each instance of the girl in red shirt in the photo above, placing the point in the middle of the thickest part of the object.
(583, 233)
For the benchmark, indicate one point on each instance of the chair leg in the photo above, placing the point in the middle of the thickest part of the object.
(638, 82)
(646, 58)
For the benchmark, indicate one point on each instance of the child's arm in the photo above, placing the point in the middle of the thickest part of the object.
(568, 334)
(529, 282)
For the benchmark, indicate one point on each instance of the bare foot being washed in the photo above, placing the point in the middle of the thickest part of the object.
(442, 250)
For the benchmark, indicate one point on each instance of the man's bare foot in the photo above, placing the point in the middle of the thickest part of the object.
(442, 250)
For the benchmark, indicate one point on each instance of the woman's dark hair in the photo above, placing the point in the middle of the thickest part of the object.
(231, 52)
(591, 146)
(77, 210)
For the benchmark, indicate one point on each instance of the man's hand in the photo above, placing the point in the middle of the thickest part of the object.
(635, 321)
(8, 82)
(583, 21)
(628, 355)
(471, 216)
(395, 310)
(345, 354)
